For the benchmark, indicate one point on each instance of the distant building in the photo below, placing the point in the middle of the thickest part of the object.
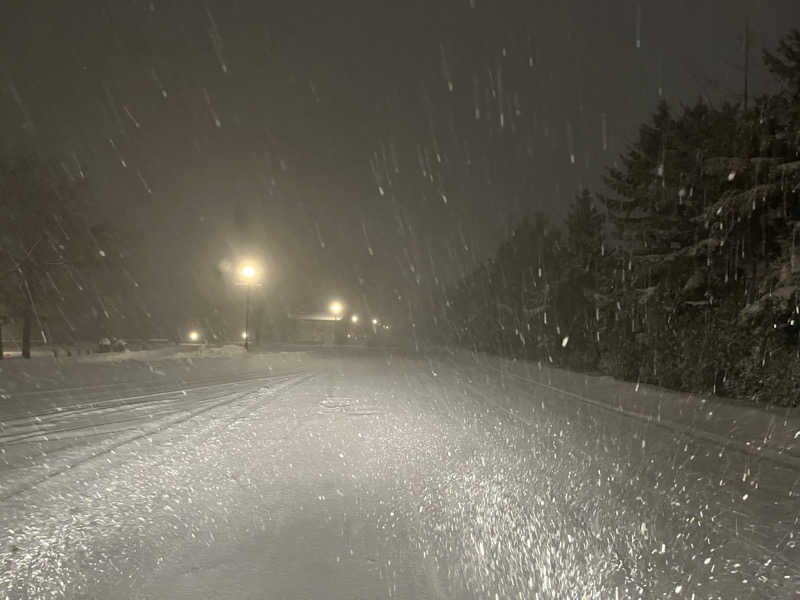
(313, 328)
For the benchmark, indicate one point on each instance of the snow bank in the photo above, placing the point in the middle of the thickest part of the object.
(769, 432)
(167, 353)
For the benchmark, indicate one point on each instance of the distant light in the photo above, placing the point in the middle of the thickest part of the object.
(194, 336)
(244, 335)
(354, 318)
(248, 271)
(336, 307)
(375, 321)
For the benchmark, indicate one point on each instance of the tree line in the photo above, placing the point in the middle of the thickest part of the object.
(683, 271)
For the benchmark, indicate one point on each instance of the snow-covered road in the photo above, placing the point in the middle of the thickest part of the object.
(353, 474)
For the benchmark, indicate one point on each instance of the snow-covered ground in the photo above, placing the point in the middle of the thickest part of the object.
(364, 474)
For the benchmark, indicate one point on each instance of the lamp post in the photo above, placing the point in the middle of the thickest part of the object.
(248, 273)
(336, 308)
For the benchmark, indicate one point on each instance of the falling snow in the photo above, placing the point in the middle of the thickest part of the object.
(371, 301)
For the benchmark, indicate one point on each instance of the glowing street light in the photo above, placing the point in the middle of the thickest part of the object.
(194, 336)
(354, 318)
(375, 321)
(248, 271)
(336, 308)
(244, 335)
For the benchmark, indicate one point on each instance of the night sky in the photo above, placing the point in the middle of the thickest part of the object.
(357, 148)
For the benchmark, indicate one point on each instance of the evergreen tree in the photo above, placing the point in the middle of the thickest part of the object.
(579, 296)
(658, 198)
(754, 230)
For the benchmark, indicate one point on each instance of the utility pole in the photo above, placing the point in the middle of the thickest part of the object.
(27, 317)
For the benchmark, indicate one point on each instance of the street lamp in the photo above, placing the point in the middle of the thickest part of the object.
(194, 336)
(336, 308)
(375, 321)
(248, 274)
(354, 318)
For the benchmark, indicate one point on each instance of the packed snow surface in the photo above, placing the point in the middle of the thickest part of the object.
(364, 474)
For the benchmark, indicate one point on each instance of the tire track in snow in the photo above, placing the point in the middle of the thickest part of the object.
(229, 398)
